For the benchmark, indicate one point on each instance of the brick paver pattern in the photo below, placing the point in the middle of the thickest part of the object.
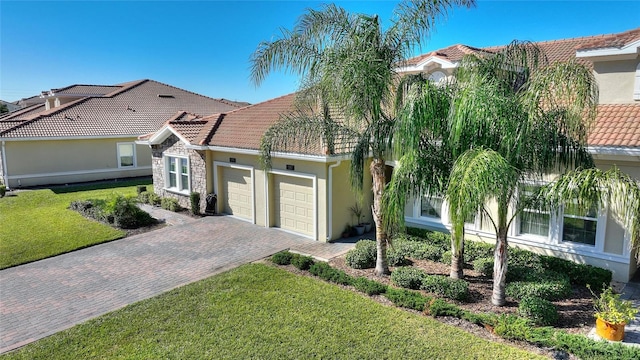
(44, 297)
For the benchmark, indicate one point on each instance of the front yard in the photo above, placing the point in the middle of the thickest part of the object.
(36, 224)
(258, 311)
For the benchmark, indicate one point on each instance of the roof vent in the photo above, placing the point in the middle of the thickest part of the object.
(166, 96)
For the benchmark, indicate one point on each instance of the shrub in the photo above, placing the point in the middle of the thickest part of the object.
(154, 199)
(143, 197)
(301, 262)
(512, 327)
(455, 289)
(363, 256)
(422, 251)
(140, 189)
(525, 258)
(407, 298)
(3, 190)
(552, 286)
(282, 258)
(439, 307)
(580, 274)
(446, 257)
(477, 249)
(540, 311)
(521, 273)
(195, 203)
(408, 277)
(369, 287)
(326, 272)
(170, 204)
(118, 210)
(396, 257)
(484, 266)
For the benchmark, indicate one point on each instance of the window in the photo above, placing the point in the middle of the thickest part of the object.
(431, 206)
(579, 224)
(533, 221)
(177, 173)
(126, 155)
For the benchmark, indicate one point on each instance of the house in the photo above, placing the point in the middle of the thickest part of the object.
(308, 193)
(88, 132)
(592, 238)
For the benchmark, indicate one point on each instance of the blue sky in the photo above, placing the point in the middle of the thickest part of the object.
(204, 46)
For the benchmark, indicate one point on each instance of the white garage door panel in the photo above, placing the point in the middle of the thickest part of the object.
(294, 204)
(236, 189)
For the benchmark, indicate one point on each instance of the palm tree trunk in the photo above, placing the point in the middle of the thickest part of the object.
(457, 258)
(379, 181)
(500, 268)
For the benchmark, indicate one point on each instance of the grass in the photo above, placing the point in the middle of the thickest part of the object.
(259, 311)
(37, 224)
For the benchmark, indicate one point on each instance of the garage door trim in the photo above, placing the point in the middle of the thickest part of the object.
(218, 185)
(313, 179)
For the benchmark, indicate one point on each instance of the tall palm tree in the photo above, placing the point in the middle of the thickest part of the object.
(509, 118)
(347, 62)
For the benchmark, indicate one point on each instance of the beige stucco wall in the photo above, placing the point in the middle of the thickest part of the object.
(344, 197)
(41, 162)
(616, 80)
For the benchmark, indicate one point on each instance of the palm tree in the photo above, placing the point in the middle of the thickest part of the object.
(347, 63)
(508, 118)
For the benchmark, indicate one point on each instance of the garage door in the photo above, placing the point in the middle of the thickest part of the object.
(293, 204)
(236, 192)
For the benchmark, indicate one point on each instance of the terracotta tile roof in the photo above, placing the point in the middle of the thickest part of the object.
(612, 40)
(134, 108)
(243, 128)
(452, 53)
(556, 50)
(616, 125)
(87, 90)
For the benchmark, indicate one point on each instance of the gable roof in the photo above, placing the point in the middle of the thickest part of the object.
(127, 109)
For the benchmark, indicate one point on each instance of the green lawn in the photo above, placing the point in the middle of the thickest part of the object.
(37, 224)
(258, 311)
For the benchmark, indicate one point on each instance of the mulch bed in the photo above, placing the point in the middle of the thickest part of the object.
(575, 313)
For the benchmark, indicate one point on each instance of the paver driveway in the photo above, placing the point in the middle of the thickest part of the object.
(44, 297)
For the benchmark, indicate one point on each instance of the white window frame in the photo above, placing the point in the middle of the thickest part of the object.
(135, 162)
(600, 220)
(168, 158)
(535, 237)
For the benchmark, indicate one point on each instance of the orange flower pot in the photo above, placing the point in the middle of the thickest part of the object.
(609, 331)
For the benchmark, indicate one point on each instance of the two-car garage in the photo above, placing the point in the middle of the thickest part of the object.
(291, 197)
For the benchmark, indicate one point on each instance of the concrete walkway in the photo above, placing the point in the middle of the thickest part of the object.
(47, 296)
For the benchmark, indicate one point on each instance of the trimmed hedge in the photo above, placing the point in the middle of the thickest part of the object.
(363, 256)
(194, 201)
(541, 312)
(282, 258)
(407, 298)
(326, 272)
(580, 274)
(301, 262)
(369, 287)
(118, 210)
(550, 286)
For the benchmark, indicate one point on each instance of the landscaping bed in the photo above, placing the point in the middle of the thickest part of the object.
(575, 312)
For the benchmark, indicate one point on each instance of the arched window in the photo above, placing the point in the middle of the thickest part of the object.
(437, 77)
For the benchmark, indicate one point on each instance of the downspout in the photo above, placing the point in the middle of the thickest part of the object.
(5, 173)
(330, 201)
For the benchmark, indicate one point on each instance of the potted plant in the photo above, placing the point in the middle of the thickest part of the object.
(357, 212)
(612, 314)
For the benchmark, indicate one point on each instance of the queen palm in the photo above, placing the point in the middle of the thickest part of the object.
(508, 118)
(347, 63)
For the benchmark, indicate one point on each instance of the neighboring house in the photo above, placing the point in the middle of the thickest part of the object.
(309, 193)
(305, 193)
(594, 238)
(88, 132)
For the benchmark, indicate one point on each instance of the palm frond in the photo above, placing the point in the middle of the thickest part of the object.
(611, 189)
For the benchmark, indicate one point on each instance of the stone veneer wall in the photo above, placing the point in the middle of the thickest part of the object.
(197, 160)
